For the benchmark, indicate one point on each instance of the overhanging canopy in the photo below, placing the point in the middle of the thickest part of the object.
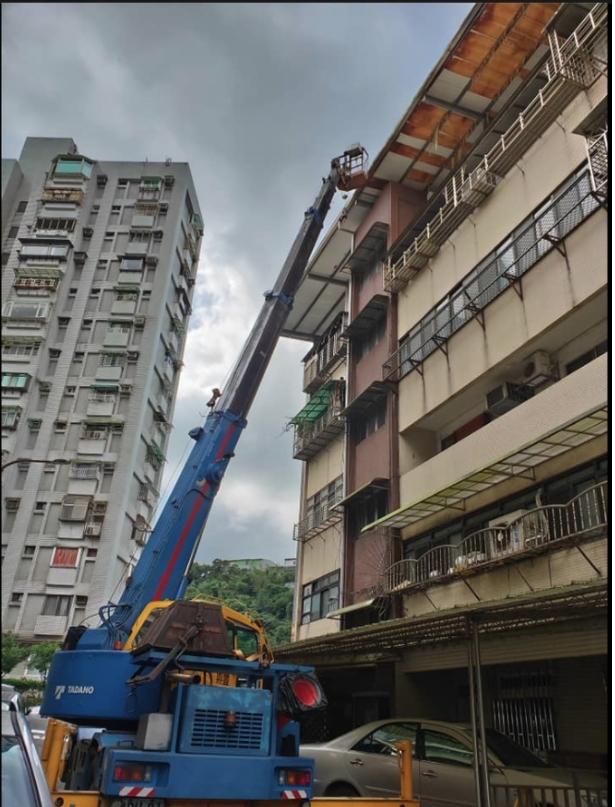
(519, 464)
(316, 406)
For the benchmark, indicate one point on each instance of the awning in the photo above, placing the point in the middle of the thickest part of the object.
(105, 385)
(100, 420)
(357, 606)
(374, 243)
(368, 316)
(378, 483)
(317, 405)
(370, 396)
(519, 464)
(559, 605)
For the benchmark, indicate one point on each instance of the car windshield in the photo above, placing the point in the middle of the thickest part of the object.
(16, 784)
(510, 753)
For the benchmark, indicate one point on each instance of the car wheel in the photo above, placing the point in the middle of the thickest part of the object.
(341, 789)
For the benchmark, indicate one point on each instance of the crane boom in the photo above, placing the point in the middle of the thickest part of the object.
(161, 572)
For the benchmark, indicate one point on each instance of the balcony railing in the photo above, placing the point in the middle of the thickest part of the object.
(318, 519)
(535, 530)
(317, 367)
(598, 160)
(572, 66)
(310, 438)
(505, 795)
(531, 242)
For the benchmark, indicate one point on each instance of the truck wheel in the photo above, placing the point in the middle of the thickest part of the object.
(341, 789)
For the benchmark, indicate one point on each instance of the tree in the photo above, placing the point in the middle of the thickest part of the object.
(13, 651)
(41, 656)
(266, 594)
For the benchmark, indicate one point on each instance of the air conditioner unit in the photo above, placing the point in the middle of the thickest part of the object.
(506, 396)
(140, 320)
(151, 260)
(80, 257)
(506, 519)
(92, 530)
(169, 181)
(538, 368)
(101, 180)
(87, 232)
(95, 435)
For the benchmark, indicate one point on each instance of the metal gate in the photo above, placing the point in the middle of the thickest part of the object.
(523, 708)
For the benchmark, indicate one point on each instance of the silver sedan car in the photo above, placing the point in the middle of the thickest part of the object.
(23, 777)
(364, 762)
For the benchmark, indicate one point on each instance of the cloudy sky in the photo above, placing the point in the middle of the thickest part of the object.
(257, 98)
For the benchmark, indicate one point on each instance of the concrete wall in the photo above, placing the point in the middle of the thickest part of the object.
(564, 401)
(551, 290)
(325, 466)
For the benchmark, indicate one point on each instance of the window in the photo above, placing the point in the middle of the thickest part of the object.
(44, 251)
(91, 553)
(439, 747)
(5, 258)
(592, 354)
(370, 423)
(16, 598)
(65, 557)
(15, 380)
(320, 597)
(25, 311)
(111, 360)
(131, 265)
(13, 232)
(21, 207)
(28, 551)
(81, 602)
(56, 605)
(40, 507)
(20, 349)
(382, 741)
(72, 168)
(12, 505)
(10, 417)
(59, 225)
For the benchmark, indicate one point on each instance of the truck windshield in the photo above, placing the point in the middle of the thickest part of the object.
(510, 753)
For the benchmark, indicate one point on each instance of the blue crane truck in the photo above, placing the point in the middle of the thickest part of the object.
(159, 705)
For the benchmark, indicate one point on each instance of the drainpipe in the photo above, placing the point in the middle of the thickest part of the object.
(481, 715)
(479, 800)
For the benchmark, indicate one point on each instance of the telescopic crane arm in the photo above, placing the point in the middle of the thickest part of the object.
(161, 572)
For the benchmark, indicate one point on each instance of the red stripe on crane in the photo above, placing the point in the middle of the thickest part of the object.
(193, 513)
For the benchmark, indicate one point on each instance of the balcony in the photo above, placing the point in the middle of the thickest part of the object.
(101, 404)
(62, 195)
(318, 520)
(94, 446)
(572, 67)
(124, 307)
(318, 366)
(117, 337)
(61, 577)
(311, 438)
(129, 278)
(109, 372)
(320, 420)
(499, 272)
(50, 625)
(141, 221)
(536, 531)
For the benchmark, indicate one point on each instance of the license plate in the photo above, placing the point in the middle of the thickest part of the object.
(134, 801)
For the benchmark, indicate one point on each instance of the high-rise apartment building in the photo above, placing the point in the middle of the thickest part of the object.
(98, 270)
(454, 439)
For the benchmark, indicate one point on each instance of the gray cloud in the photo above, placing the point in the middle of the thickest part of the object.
(257, 98)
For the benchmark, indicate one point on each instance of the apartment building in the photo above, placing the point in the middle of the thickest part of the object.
(98, 271)
(454, 435)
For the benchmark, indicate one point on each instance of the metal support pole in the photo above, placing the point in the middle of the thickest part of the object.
(479, 800)
(481, 715)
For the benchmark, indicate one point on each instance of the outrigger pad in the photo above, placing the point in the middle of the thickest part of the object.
(171, 624)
